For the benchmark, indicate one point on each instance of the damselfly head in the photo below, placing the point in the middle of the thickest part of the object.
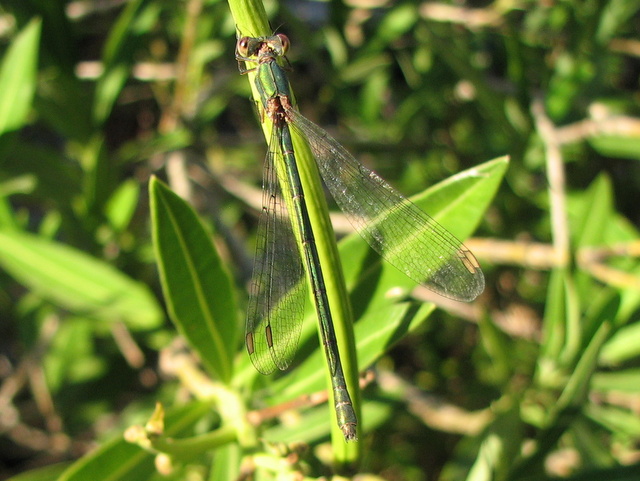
(277, 45)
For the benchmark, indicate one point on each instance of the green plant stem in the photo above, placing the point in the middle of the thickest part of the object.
(189, 447)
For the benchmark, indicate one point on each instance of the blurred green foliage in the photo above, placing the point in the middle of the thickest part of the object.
(96, 97)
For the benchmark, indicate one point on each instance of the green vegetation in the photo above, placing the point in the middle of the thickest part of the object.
(131, 162)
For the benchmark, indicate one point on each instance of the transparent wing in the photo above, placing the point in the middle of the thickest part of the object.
(276, 295)
(397, 229)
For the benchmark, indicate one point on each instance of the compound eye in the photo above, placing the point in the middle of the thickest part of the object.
(243, 46)
(284, 40)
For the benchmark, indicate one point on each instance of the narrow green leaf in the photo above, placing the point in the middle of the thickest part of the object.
(77, 281)
(624, 345)
(122, 204)
(555, 319)
(195, 283)
(18, 75)
(573, 345)
(577, 387)
(107, 91)
(624, 381)
(592, 213)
